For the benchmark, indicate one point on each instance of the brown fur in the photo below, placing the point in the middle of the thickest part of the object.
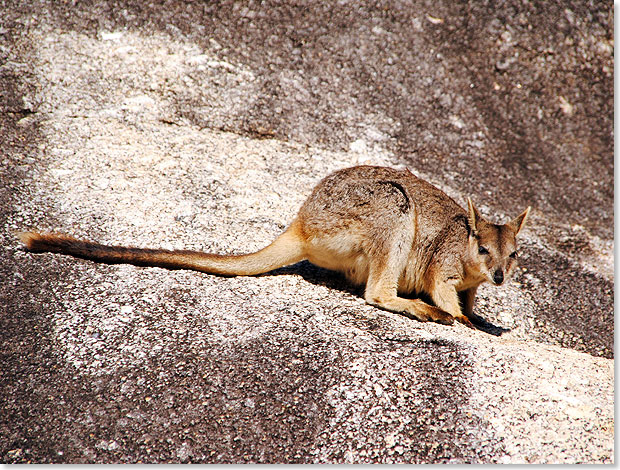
(381, 227)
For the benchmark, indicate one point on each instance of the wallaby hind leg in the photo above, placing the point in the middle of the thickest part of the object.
(381, 291)
(446, 298)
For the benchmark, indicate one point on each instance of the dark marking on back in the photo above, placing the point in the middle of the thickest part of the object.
(405, 204)
(461, 219)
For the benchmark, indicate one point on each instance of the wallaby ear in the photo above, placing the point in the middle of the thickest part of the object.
(519, 222)
(473, 216)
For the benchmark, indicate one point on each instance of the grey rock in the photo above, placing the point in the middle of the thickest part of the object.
(204, 126)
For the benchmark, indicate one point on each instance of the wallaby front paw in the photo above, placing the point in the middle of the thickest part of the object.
(465, 321)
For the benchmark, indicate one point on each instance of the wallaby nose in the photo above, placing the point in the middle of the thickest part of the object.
(498, 277)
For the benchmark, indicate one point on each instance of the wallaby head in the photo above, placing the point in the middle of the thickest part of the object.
(493, 248)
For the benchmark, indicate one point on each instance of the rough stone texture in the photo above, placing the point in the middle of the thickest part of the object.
(204, 125)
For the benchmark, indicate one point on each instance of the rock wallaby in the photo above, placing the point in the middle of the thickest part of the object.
(381, 227)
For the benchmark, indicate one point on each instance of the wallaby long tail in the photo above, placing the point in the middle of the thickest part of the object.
(286, 249)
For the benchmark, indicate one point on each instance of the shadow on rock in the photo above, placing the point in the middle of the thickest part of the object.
(336, 281)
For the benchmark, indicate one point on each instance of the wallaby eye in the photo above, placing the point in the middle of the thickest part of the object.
(513, 255)
(482, 250)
